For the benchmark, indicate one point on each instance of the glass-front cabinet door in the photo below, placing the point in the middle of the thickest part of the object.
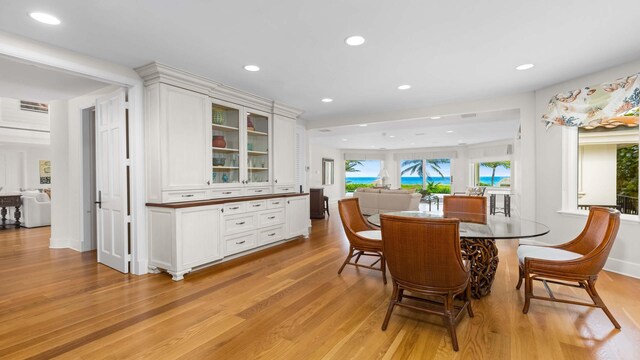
(225, 143)
(258, 131)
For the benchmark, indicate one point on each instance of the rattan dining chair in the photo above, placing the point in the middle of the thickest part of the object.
(424, 258)
(364, 238)
(466, 208)
(579, 261)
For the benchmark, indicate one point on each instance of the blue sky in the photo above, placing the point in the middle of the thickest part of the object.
(369, 168)
(500, 171)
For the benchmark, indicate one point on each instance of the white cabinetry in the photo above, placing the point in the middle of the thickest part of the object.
(176, 120)
(184, 238)
(205, 140)
(284, 150)
(298, 222)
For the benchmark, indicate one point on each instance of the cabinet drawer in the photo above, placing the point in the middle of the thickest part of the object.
(271, 217)
(239, 223)
(284, 189)
(258, 191)
(270, 235)
(256, 205)
(174, 196)
(225, 193)
(235, 208)
(240, 243)
(275, 203)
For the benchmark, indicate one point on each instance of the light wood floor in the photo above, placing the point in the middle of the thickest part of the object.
(284, 303)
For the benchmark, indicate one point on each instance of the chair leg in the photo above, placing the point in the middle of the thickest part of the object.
(451, 321)
(528, 292)
(346, 261)
(383, 266)
(520, 277)
(468, 300)
(392, 303)
(591, 290)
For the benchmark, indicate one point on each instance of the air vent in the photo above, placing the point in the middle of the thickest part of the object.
(470, 115)
(34, 106)
(324, 130)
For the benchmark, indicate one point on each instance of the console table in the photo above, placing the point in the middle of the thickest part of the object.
(10, 201)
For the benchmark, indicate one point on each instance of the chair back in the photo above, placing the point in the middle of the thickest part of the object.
(597, 238)
(466, 208)
(424, 254)
(352, 219)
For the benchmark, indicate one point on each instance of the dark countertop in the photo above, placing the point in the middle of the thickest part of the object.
(186, 204)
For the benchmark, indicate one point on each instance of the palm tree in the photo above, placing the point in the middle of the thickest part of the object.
(494, 165)
(415, 166)
(350, 165)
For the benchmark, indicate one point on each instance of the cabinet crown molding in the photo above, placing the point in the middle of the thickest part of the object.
(288, 111)
(160, 73)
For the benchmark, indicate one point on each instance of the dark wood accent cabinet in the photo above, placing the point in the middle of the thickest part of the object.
(316, 203)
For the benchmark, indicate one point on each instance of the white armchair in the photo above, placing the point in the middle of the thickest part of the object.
(36, 210)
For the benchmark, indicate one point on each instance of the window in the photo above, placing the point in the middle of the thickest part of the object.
(608, 168)
(433, 175)
(493, 173)
(361, 173)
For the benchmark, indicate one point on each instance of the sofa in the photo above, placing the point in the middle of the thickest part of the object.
(377, 201)
(36, 209)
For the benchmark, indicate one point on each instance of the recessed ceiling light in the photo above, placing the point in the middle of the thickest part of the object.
(355, 40)
(435, 117)
(449, 131)
(404, 87)
(363, 125)
(252, 68)
(524, 67)
(344, 139)
(392, 136)
(45, 18)
(327, 100)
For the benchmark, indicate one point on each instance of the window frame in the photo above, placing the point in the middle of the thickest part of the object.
(570, 185)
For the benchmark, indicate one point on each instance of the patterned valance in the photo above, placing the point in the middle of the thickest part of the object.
(608, 105)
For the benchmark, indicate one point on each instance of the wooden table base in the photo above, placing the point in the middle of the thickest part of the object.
(483, 255)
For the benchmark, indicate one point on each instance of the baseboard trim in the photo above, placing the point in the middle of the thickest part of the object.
(623, 267)
(57, 243)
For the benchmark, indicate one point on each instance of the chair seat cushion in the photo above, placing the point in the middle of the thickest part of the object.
(370, 234)
(545, 253)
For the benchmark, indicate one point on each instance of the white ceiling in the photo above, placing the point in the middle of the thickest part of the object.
(27, 82)
(451, 130)
(447, 50)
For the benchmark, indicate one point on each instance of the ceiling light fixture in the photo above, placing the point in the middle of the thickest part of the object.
(344, 139)
(45, 18)
(449, 131)
(363, 125)
(252, 68)
(404, 87)
(435, 117)
(524, 67)
(355, 40)
(327, 100)
(392, 136)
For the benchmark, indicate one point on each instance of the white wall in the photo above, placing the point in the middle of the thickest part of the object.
(625, 255)
(316, 154)
(597, 179)
(20, 166)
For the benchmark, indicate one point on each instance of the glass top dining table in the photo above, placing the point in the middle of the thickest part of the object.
(478, 233)
(496, 226)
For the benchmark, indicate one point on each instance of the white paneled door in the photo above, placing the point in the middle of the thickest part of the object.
(111, 181)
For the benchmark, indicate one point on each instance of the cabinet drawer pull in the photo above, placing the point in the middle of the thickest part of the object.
(188, 195)
(240, 223)
(276, 202)
(240, 242)
(227, 192)
(234, 208)
(272, 234)
(271, 217)
(256, 205)
(258, 190)
(285, 189)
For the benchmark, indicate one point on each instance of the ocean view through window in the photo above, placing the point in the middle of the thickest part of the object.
(361, 173)
(430, 175)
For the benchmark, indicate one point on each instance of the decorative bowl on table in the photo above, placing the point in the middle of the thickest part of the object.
(218, 161)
